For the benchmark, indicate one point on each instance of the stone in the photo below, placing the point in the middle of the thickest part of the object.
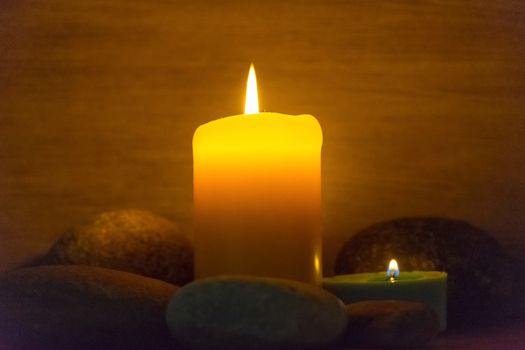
(82, 307)
(236, 312)
(129, 240)
(390, 323)
(480, 275)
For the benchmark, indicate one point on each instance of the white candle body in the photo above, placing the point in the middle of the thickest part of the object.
(257, 194)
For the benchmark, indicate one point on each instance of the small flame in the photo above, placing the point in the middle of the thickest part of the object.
(252, 99)
(393, 270)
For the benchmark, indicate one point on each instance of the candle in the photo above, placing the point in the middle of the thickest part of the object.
(429, 287)
(257, 189)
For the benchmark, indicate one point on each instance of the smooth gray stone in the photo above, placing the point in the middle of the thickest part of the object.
(81, 307)
(480, 275)
(235, 312)
(390, 323)
(129, 240)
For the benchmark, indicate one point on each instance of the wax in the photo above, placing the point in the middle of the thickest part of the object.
(257, 196)
(429, 287)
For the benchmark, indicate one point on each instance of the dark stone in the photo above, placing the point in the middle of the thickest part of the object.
(129, 240)
(390, 323)
(234, 312)
(81, 307)
(480, 276)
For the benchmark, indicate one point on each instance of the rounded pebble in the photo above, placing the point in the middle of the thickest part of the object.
(129, 240)
(390, 323)
(480, 275)
(235, 312)
(82, 307)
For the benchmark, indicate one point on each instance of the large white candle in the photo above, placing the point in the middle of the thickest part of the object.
(257, 189)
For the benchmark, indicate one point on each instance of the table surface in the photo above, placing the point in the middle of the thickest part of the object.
(508, 336)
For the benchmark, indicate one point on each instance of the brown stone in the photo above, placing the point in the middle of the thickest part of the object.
(390, 323)
(480, 276)
(81, 307)
(136, 241)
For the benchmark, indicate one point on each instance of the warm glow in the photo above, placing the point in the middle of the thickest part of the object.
(317, 264)
(251, 105)
(393, 269)
(257, 194)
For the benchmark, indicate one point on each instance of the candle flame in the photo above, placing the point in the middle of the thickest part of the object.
(393, 270)
(251, 105)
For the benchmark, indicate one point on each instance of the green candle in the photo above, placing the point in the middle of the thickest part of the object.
(429, 287)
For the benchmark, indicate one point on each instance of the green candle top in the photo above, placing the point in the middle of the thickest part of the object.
(378, 277)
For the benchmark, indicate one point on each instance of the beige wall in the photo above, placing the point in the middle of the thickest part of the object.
(422, 104)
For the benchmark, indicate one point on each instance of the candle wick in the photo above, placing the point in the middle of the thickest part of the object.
(391, 276)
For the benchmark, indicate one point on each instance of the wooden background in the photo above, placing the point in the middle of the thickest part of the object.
(422, 104)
